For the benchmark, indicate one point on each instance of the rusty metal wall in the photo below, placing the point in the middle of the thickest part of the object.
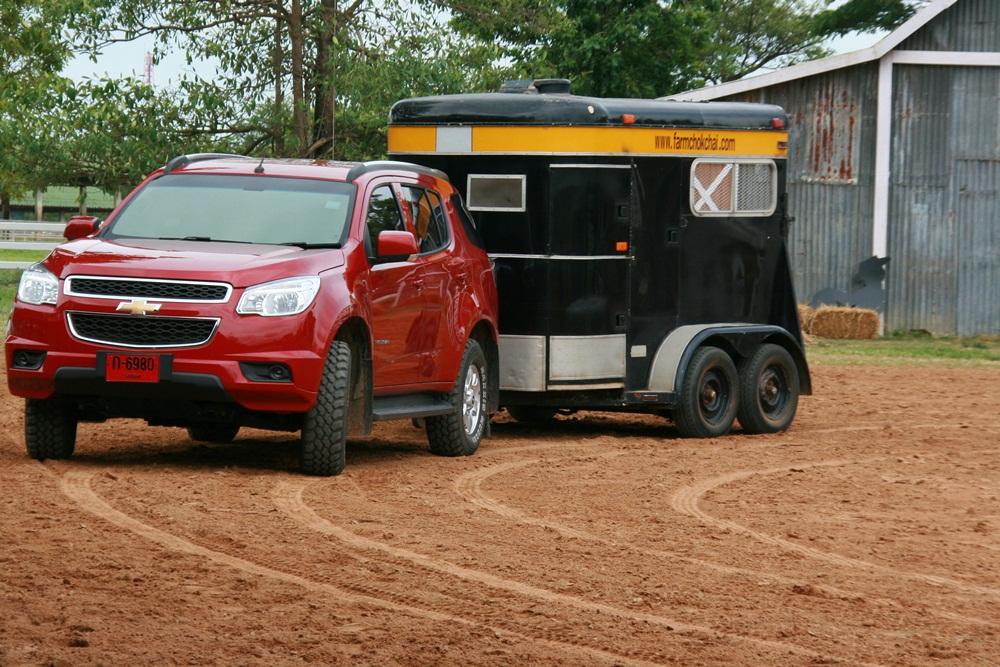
(944, 206)
(830, 172)
(968, 25)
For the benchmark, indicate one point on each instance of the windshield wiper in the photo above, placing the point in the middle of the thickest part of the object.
(199, 238)
(310, 246)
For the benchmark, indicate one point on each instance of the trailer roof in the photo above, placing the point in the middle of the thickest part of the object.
(564, 109)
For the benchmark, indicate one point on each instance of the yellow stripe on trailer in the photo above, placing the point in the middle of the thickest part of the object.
(589, 140)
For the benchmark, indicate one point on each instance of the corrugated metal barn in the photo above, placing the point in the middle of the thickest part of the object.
(894, 151)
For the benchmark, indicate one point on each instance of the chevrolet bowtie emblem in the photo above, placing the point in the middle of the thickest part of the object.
(137, 307)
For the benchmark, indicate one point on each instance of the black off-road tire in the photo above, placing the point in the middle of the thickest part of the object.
(220, 433)
(448, 434)
(49, 428)
(531, 414)
(768, 390)
(708, 399)
(324, 431)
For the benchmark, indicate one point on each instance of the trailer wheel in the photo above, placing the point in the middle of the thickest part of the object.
(49, 428)
(769, 390)
(459, 433)
(324, 431)
(220, 433)
(531, 414)
(707, 403)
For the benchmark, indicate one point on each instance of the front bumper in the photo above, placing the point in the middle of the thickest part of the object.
(209, 373)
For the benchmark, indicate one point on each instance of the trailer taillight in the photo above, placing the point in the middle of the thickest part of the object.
(778, 123)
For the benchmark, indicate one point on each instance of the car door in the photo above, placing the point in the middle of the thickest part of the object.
(396, 298)
(432, 334)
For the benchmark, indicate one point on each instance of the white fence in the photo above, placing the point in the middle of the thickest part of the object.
(24, 235)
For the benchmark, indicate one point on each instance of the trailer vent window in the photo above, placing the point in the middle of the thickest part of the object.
(496, 192)
(744, 188)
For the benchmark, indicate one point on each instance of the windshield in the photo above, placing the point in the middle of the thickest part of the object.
(246, 209)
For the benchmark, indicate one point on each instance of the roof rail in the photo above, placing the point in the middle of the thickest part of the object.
(374, 165)
(183, 160)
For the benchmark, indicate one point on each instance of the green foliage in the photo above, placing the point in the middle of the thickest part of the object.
(649, 48)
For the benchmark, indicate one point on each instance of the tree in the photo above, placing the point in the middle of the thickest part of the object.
(648, 48)
(31, 50)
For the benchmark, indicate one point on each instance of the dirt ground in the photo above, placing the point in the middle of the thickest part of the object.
(868, 534)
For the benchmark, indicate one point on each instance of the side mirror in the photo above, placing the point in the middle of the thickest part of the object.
(81, 225)
(396, 246)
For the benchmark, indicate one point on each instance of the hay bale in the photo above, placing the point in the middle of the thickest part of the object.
(840, 322)
(806, 313)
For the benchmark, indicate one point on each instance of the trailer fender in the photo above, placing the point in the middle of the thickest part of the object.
(739, 340)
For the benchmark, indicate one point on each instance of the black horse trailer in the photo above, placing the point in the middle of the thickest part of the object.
(639, 249)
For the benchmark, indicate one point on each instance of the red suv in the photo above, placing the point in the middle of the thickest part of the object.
(281, 294)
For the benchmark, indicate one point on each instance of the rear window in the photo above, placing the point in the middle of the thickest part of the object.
(249, 209)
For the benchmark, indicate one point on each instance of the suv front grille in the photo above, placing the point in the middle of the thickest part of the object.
(138, 288)
(142, 331)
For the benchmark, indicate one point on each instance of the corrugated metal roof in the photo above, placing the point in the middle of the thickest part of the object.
(969, 25)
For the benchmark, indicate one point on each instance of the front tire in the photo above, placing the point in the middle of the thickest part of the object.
(324, 431)
(708, 399)
(459, 433)
(49, 428)
(769, 390)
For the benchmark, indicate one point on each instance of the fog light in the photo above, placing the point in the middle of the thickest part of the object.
(28, 360)
(266, 372)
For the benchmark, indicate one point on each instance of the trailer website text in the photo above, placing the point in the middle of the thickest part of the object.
(696, 142)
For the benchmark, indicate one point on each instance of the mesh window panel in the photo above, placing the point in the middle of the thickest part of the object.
(496, 193)
(712, 187)
(756, 188)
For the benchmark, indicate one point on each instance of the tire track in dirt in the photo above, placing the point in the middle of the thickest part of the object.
(288, 496)
(687, 500)
(469, 486)
(77, 486)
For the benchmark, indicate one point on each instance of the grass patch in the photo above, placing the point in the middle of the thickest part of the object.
(908, 347)
(23, 255)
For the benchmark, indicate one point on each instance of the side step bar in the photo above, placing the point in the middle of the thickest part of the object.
(410, 406)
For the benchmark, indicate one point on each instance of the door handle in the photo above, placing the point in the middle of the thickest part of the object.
(418, 285)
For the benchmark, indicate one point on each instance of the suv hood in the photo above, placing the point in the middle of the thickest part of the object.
(239, 264)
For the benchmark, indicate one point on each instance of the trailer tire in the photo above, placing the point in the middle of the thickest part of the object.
(769, 390)
(708, 400)
(531, 414)
(219, 433)
(49, 428)
(459, 433)
(324, 431)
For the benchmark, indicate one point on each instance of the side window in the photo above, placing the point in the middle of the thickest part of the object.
(726, 188)
(383, 215)
(428, 218)
(467, 222)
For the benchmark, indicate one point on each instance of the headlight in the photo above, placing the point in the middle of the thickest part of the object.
(38, 286)
(282, 297)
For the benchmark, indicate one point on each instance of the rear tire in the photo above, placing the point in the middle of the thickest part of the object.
(324, 431)
(459, 433)
(769, 390)
(708, 399)
(49, 428)
(219, 433)
(531, 414)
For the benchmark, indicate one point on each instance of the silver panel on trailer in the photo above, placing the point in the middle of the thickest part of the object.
(586, 357)
(522, 363)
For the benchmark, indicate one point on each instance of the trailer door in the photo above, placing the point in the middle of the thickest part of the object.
(588, 275)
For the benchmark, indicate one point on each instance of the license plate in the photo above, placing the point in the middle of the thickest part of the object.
(130, 367)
